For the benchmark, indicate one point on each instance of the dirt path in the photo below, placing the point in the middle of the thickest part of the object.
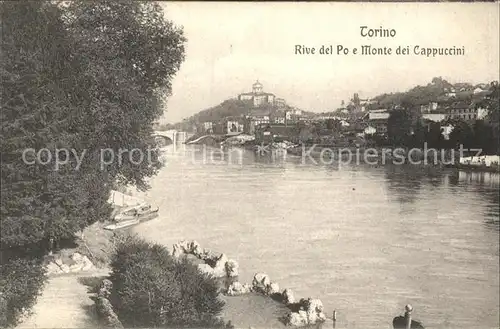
(65, 303)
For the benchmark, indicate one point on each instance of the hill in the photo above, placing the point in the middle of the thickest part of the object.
(436, 90)
(228, 108)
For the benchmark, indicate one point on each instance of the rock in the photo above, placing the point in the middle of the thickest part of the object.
(232, 268)
(65, 268)
(273, 288)
(85, 260)
(288, 297)
(310, 313)
(205, 268)
(52, 268)
(194, 248)
(87, 264)
(215, 272)
(76, 268)
(297, 319)
(59, 262)
(87, 267)
(204, 254)
(220, 263)
(260, 282)
(184, 246)
(236, 289)
(210, 257)
(77, 257)
(177, 250)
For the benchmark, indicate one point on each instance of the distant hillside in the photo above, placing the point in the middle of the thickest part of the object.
(229, 108)
(420, 95)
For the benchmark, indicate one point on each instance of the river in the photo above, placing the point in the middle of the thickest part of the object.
(366, 240)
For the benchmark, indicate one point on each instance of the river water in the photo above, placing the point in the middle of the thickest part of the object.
(366, 240)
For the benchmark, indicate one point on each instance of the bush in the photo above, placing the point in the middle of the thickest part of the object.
(21, 281)
(152, 289)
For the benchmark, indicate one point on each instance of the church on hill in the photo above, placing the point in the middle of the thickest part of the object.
(258, 97)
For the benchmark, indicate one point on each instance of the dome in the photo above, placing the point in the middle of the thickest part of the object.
(257, 87)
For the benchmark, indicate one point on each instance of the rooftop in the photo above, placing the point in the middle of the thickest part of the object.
(259, 93)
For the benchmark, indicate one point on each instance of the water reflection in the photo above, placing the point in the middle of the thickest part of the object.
(403, 182)
(486, 185)
(479, 178)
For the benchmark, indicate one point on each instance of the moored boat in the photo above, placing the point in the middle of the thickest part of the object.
(123, 224)
(133, 216)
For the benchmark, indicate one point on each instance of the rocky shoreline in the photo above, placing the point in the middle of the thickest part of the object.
(299, 313)
(305, 312)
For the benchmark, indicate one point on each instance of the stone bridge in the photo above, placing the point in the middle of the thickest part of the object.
(171, 136)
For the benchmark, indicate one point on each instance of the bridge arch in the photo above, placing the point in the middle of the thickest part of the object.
(162, 140)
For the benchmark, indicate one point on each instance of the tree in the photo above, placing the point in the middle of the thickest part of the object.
(333, 125)
(151, 289)
(355, 100)
(484, 137)
(433, 135)
(34, 204)
(398, 127)
(462, 134)
(492, 104)
(86, 77)
(417, 137)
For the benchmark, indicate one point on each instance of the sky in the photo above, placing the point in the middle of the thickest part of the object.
(230, 45)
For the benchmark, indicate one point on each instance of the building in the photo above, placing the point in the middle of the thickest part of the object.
(278, 116)
(427, 108)
(208, 126)
(365, 103)
(234, 126)
(256, 118)
(293, 115)
(377, 119)
(219, 128)
(462, 110)
(270, 132)
(258, 97)
(478, 90)
(279, 102)
(260, 116)
(435, 117)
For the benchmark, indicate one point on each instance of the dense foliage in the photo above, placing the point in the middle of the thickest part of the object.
(87, 77)
(151, 289)
(21, 280)
(83, 77)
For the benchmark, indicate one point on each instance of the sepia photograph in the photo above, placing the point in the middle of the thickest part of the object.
(249, 165)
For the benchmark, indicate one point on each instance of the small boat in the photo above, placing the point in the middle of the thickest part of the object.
(133, 216)
(123, 224)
